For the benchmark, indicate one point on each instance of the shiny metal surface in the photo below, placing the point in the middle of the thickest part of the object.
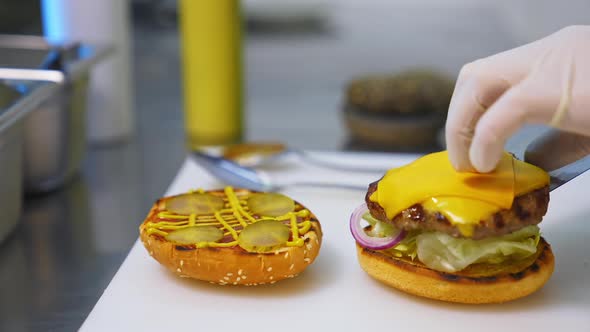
(563, 175)
(255, 155)
(55, 137)
(70, 243)
(233, 173)
(11, 142)
(241, 176)
(55, 132)
(15, 107)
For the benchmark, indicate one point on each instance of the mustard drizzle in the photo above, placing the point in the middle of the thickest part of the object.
(231, 230)
(235, 213)
(297, 241)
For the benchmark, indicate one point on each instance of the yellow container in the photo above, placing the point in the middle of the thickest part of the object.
(212, 71)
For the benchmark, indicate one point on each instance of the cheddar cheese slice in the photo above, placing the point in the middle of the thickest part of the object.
(462, 197)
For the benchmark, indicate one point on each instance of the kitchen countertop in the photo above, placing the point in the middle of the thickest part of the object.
(70, 243)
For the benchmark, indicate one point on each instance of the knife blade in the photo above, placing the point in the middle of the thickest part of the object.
(562, 175)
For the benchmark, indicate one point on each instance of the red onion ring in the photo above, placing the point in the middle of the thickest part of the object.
(370, 242)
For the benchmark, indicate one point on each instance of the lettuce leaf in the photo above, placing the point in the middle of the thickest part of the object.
(406, 247)
(379, 228)
(443, 252)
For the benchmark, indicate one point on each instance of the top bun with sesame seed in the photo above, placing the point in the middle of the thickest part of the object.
(232, 236)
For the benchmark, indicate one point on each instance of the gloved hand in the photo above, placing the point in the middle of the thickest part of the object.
(547, 81)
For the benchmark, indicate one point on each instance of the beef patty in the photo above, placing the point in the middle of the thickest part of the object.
(527, 209)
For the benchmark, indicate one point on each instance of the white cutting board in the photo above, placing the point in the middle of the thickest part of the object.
(334, 293)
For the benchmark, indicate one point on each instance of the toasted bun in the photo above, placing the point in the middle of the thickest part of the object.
(393, 131)
(232, 265)
(508, 283)
(404, 111)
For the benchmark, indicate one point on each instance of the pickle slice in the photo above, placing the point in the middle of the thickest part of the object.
(264, 236)
(270, 204)
(196, 203)
(195, 234)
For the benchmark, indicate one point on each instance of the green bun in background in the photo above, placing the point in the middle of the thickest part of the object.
(403, 111)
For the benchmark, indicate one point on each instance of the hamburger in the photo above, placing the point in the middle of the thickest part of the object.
(430, 231)
(232, 236)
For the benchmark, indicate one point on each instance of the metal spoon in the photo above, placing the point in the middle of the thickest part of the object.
(246, 177)
(257, 154)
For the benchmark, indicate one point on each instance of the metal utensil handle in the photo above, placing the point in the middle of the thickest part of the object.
(335, 185)
(334, 165)
(230, 172)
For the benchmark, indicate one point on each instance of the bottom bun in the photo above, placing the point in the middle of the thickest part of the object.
(512, 282)
(231, 265)
(234, 266)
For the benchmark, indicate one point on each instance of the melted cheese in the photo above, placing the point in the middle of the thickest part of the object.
(464, 198)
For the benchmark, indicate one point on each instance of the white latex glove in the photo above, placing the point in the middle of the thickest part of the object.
(547, 81)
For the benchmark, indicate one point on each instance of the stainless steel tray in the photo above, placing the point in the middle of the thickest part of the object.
(54, 133)
(15, 106)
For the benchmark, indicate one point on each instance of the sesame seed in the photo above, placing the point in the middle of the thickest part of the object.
(240, 272)
(151, 253)
(272, 282)
(230, 274)
(238, 279)
(305, 252)
(292, 266)
(286, 255)
(290, 276)
(225, 278)
(178, 270)
(271, 277)
(276, 252)
(181, 262)
(269, 269)
(235, 283)
(308, 246)
(307, 260)
(243, 277)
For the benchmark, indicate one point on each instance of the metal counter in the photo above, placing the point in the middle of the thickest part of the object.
(70, 243)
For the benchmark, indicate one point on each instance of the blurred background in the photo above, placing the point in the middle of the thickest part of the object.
(371, 75)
